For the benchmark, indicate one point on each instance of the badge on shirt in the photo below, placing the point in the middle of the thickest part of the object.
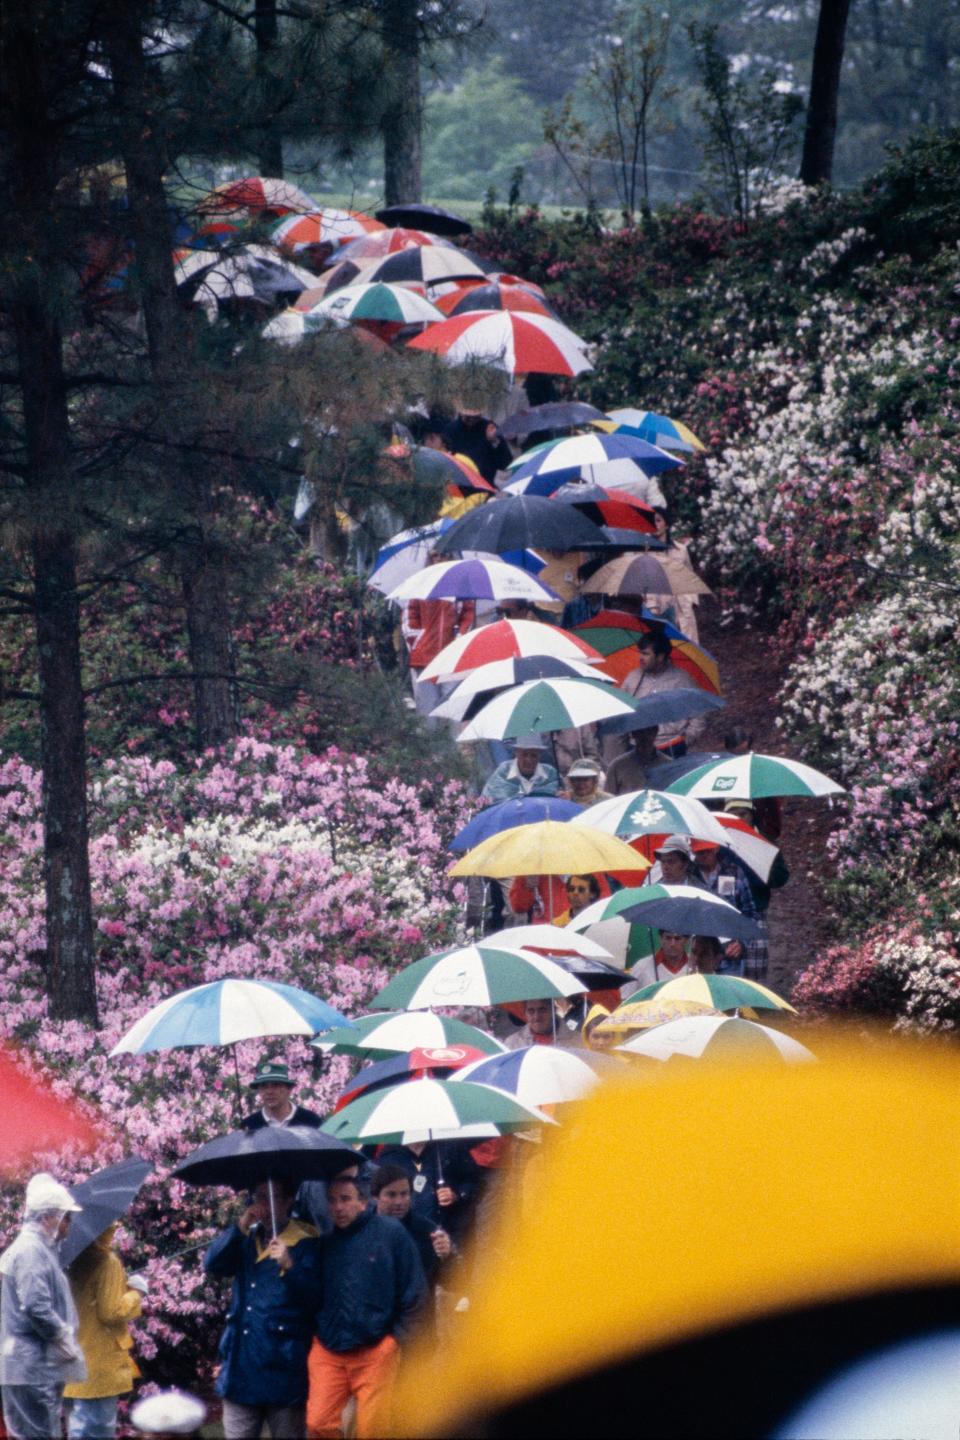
(419, 1183)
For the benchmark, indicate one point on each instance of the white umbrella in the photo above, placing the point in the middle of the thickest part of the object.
(535, 1075)
(554, 939)
(716, 1037)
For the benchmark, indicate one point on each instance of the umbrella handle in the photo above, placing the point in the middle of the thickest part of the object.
(440, 1179)
(273, 1210)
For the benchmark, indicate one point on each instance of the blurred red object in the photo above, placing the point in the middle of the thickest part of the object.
(35, 1120)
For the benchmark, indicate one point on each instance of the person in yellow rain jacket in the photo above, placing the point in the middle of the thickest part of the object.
(106, 1300)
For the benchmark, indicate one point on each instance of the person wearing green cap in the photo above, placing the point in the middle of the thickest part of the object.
(273, 1086)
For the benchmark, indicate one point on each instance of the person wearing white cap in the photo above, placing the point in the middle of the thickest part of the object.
(39, 1352)
(673, 863)
(583, 783)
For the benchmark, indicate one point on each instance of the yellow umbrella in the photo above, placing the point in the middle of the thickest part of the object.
(629, 1020)
(549, 847)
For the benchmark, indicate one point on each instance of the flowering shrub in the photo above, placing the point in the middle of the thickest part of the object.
(262, 862)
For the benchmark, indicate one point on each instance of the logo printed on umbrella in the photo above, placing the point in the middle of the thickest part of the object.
(449, 1052)
(452, 984)
(724, 782)
(647, 814)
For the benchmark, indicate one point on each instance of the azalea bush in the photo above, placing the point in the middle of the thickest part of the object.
(262, 862)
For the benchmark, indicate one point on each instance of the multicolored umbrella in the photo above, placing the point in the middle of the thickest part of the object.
(413, 1065)
(723, 992)
(224, 1012)
(473, 580)
(553, 940)
(258, 196)
(252, 272)
(749, 846)
(752, 776)
(479, 686)
(500, 297)
(344, 272)
(389, 241)
(583, 457)
(426, 264)
(644, 575)
(658, 429)
(431, 1110)
(716, 1037)
(326, 229)
(518, 343)
(507, 814)
(380, 302)
(543, 705)
(404, 554)
(535, 1074)
(376, 1037)
(604, 922)
(549, 848)
(615, 633)
(476, 975)
(652, 812)
(607, 507)
(505, 640)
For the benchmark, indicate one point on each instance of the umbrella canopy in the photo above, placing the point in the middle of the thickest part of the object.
(584, 456)
(430, 1109)
(604, 922)
(749, 846)
(476, 975)
(663, 708)
(752, 776)
(628, 1020)
(103, 1197)
(327, 228)
(478, 687)
(506, 814)
(252, 272)
(379, 1036)
(658, 429)
(473, 580)
(536, 1075)
(505, 640)
(687, 910)
(607, 507)
(378, 302)
(387, 242)
(549, 848)
(723, 992)
(554, 940)
(426, 264)
(652, 812)
(618, 644)
(243, 1158)
(258, 195)
(544, 705)
(644, 575)
(716, 1037)
(404, 555)
(518, 343)
(410, 1066)
(437, 467)
(501, 297)
(35, 1119)
(518, 522)
(428, 217)
(226, 1011)
(554, 415)
(344, 272)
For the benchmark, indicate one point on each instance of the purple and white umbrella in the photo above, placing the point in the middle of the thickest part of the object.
(473, 580)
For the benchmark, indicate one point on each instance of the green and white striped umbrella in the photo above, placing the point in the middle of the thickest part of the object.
(431, 1110)
(541, 705)
(627, 941)
(752, 776)
(476, 975)
(716, 1037)
(653, 812)
(722, 992)
(380, 1036)
(378, 301)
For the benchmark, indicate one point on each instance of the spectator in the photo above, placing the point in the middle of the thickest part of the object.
(106, 1301)
(583, 783)
(274, 1089)
(394, 1195)
(637, 768)
(720, 874)
(652, 676)
(525, 774)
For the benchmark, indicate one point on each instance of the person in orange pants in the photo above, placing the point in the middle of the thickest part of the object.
(373, 1291)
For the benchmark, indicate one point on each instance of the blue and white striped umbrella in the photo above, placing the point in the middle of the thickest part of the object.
(226, 1011)
(583, 457)
(535, 1075)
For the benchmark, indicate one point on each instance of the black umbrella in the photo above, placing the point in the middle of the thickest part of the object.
(617, 538)
(105, 1196)
(244, 1158)
(425, 217)
(595, 974)
(663, 709)
(555, 415)
(693, 917)
(519, 522)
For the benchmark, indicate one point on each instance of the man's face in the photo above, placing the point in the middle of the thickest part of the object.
(650, 661)
(674, 946)
(394, 1199)
(578, 893)
(708, 858)
(471, 418)
(344, 1204)
(539, 1015)
(275, 1098)
(674, 865)
(260, 1203)
(643, 741)
(527, 762)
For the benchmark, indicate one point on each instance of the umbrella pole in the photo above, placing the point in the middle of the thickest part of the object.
(236, 1073)
(273, 1211)
(440, 1180)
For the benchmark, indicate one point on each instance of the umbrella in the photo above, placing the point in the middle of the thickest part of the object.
(749, 846)
(518, 343)
(652, 812)
(752, 776)
(259, 195)
(404, 555)
(377, 302)
(604, 922)
(477, 687)
(555, 415)
(344, 272)
(584, 456)
(643, 1015)
(673, 770)
(553, 940)
(687, 910)
(506, 814)
(427, 217)
(644, 575)
(476, 975)
(430, 1109)
(223, 1012)
(388, 242)
(505, 640)
(473, 579)
(723, 992)
(607, 507)
(378, 1036)
(328, 228)
(426, 264)
(410, 1066)
(658, 429)
(535, 1074)
(519, 522)
(549, 848)
(663, 708)
(251, 272)
(544, 705)
(716, 1037)
(437, 467)
(244, 1158)
(501, 297)
(103, 1197)
(35, 1119)
(617, 642)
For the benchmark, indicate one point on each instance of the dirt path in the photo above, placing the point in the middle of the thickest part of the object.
(799, 926)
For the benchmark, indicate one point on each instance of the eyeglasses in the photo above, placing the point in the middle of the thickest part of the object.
(577, 889)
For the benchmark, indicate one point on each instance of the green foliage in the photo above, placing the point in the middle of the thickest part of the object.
(477, 134)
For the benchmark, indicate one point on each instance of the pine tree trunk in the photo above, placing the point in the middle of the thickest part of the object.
(816, 166)
(203, 571)
(402, 120)
(266, 34)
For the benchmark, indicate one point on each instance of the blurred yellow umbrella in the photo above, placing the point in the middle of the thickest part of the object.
(628, 1020)
(549, 847)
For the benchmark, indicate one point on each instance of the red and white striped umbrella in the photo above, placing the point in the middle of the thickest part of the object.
(329, 227)
(387, 242)
(257, 195)
(501, 297)
(520, 344)
(505, 640)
